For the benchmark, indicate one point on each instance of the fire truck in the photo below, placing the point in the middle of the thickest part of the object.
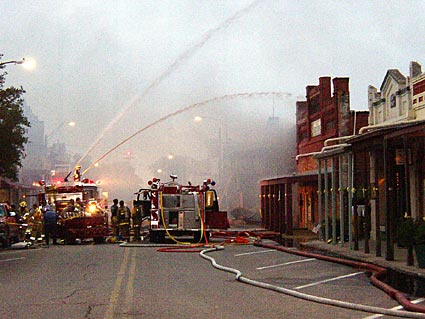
(176, 210)
(87, 220)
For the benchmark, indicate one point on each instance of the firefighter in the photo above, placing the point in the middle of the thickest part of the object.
(24, 212)
(50, 224)
(114, 217)
(137, 222)
(70, 209)
(77, 173)
(37, 216)
(123, 215)
(79, 204)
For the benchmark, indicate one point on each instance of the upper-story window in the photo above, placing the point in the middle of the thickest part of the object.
(316, 128)
(314, 105)
(392, 100)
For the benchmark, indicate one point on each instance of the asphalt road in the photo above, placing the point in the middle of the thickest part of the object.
(109, 281)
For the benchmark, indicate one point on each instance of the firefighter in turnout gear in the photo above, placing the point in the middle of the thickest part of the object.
(114, 217)
(123, 215)
(37, 228)
(137, 222)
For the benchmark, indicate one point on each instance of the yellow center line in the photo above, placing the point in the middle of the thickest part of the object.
(113, 301)
(130, 283)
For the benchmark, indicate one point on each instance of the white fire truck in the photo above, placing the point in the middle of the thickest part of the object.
(176, 210)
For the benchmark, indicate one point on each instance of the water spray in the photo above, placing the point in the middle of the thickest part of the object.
(185, 109)
(185, 56)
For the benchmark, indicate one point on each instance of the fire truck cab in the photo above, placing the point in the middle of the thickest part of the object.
(86, 220)
(180, 210)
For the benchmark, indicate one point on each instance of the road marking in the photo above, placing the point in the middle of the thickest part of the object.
(113, 301)
(255, 252)
(288, 263)
(130, 283)
(330, 279)
(11, 259)
(396, 308)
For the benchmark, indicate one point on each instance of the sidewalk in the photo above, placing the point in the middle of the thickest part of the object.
(309, 240)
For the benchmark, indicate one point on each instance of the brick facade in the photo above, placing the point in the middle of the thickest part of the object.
(324, 115)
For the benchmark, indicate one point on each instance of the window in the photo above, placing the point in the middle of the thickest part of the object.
(316, 128)
(2, 211)
(170, 201)
(421, 98)
(330, 125)
(392, 100)
(414, 101)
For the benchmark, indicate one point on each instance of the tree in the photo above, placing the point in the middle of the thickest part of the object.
(13, 124)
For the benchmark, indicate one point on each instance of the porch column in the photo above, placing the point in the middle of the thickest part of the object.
(282, 215)
(389, 200)
(267, 207)
(341, 201)
(288, 208)
(263, 204)
(333, 190)
(272, 207)
(350, 199)
(374, 204)
(319, 195)
(407, 176)
(326, 192)
(410, 258)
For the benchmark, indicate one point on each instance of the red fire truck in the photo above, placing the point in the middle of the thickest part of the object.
(180, 210)
(88, 220)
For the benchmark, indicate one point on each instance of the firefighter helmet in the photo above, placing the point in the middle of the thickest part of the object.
(23, 204)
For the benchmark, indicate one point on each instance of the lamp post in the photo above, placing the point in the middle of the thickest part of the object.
(13, 62)
(220, 142)
(28, 64)
(57, 129)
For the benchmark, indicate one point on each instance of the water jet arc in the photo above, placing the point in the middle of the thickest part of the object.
(185, 109)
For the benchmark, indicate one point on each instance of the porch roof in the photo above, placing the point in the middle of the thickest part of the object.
(290, 179)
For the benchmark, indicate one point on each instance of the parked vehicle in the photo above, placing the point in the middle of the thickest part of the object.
(9, 227)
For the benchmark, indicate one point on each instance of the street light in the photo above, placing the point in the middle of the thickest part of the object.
(220, 142)
(28, 64)
(57, 129)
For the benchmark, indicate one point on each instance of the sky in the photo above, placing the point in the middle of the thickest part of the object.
(115, 67)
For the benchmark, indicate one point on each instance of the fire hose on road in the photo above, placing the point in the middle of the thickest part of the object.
(377, 271)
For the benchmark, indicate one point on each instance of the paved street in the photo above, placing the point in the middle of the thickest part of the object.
(109, 281)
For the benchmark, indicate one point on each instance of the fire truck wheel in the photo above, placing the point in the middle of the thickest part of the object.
(69, 239)
(99, 240)
(157, 237)
(197, 237)
(6, 240)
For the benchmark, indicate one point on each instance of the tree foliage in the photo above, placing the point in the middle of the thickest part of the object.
(13, 124)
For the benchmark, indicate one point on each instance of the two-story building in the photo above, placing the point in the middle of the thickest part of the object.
(366, 180)
(294, 201)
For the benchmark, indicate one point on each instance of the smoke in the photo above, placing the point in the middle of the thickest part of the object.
(185, 56)
(186, 109)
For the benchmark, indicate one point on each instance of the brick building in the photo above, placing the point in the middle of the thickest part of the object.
(323, 118)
